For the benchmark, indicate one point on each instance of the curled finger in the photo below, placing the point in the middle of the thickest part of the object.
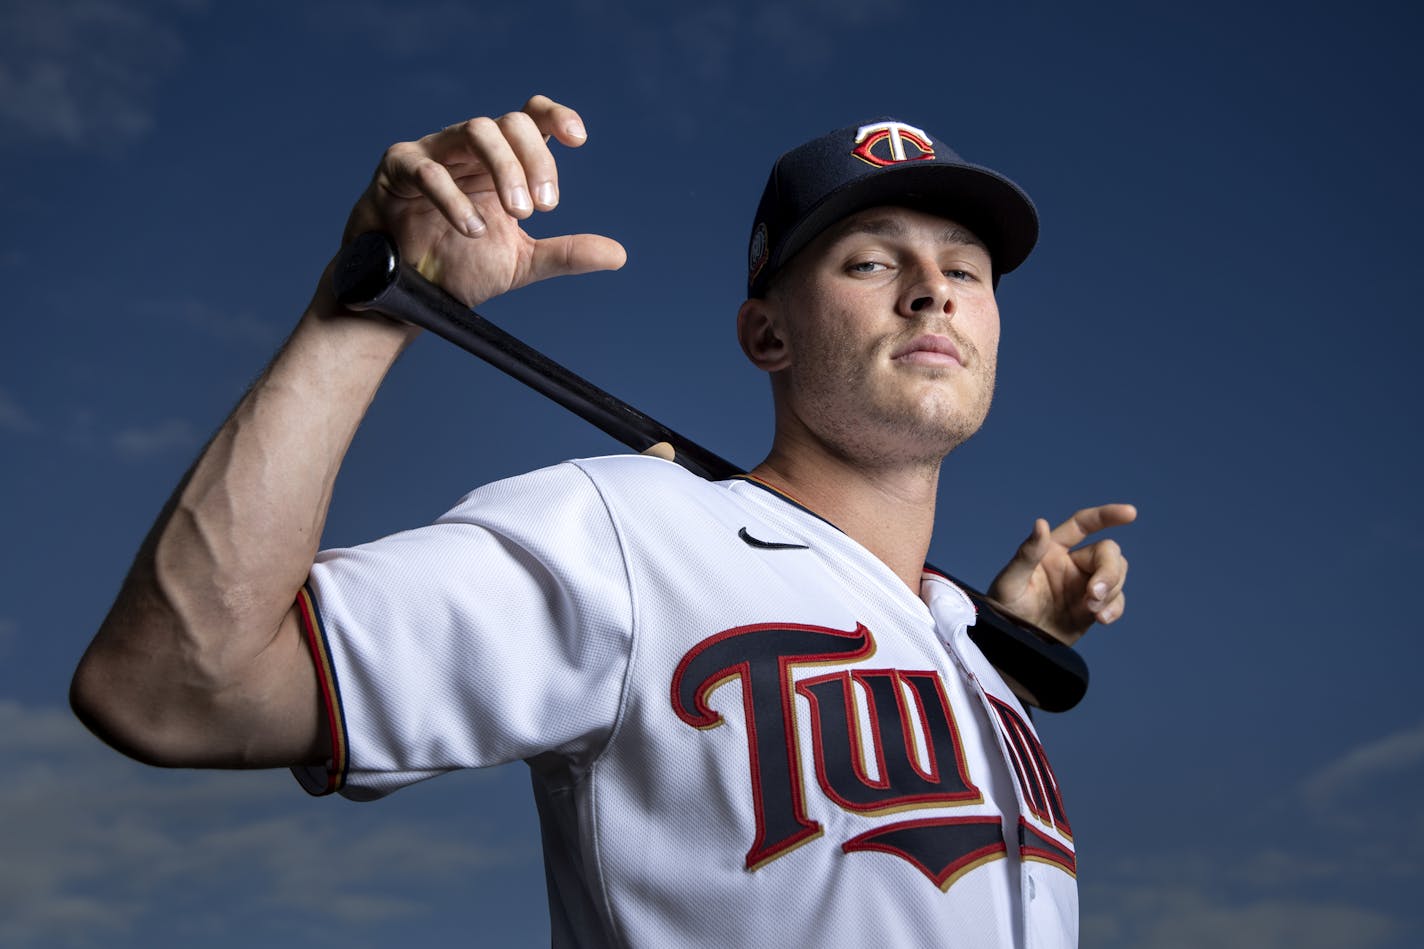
(1108, 574)
(531, 150)
(1112, 611)
(485, 140)
(555, 119)
(409, 171)
(1100, 564)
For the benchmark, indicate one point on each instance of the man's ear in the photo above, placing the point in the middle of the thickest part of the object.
(760, 333)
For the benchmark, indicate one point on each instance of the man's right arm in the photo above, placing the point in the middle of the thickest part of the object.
(201, 661)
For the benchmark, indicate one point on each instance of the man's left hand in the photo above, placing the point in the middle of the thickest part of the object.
(1064, 588)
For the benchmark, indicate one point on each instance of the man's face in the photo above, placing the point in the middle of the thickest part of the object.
(891, 336)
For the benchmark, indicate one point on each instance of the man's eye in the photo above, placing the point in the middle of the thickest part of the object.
(959, 275)
(866, 266)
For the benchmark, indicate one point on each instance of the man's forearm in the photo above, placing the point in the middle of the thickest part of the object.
(200, 660)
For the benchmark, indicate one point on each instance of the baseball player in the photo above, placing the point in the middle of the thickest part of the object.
(752, 713)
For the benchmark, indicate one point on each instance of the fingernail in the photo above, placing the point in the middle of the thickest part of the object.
(519, 199)
(1100, 590)
(546, 194)
(474, 227)
(575, 130)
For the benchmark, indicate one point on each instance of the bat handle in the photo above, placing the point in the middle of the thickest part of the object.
(369, 275)
(1054, 675)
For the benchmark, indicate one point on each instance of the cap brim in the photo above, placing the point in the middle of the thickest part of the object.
(993, 207)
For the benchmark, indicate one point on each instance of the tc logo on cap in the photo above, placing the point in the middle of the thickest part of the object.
(883, 144)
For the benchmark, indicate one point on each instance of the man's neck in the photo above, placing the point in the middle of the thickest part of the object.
(888, 510)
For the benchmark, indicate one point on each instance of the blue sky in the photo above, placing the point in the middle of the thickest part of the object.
(1220, 324)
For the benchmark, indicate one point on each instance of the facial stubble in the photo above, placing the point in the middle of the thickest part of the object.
(864, 408)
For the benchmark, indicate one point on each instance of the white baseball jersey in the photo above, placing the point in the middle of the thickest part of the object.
(743, 728)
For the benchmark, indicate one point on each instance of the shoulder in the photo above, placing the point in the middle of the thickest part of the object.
(583, 488)
(639, 469)
(581, 472)
(644, 484)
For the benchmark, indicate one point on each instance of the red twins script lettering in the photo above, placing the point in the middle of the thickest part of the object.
(904, 708)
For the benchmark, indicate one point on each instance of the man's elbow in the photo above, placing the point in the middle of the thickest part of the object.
(139, 705)
(165, 704)
(119, 715)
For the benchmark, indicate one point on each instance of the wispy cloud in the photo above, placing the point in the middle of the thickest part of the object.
(142, 442)
(84, 71)
(702, 49)
(804, 32)
(1382, 761)
(87, 431)
(13, 417)
(1255, 892)
(415, 30)
(708, 47)
(226, 326)
(1143, 916)
(98, 849)
(1322, 866)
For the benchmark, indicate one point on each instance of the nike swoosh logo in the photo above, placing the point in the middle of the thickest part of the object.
(767, 544)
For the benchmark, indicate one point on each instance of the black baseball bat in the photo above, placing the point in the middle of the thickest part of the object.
(369, 275)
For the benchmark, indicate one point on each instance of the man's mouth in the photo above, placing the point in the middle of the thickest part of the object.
(929, 349)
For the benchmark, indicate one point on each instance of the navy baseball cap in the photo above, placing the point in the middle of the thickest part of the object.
(885, 162)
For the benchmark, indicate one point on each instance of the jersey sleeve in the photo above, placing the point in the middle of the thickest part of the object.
(500, 632)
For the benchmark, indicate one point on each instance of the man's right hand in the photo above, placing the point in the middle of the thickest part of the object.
(454, 199)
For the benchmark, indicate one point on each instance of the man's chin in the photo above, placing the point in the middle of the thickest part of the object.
(926, 442)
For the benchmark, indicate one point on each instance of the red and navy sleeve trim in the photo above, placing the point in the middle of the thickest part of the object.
(335, 716)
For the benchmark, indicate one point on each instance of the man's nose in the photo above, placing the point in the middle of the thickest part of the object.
(930, 291)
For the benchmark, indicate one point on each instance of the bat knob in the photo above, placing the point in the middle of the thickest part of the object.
(364, 269)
